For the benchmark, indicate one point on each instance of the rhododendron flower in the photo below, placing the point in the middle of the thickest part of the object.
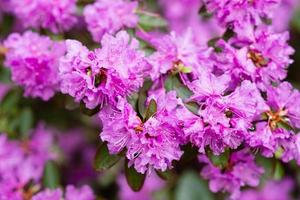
(236, 12)
(33, 61)
(23, 162)
(272, 190)
(284, 105)
(227, 115)
(240, 171)
(263, 57)
(55, 15)
(83, 193)
(99, 77)
(178, 54)
(106, 16)
(154, 143)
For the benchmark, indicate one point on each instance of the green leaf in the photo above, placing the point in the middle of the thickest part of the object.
(296, 20)
(26, 121)
(134, 179)
(220, 160)
(133, 100)
(148, 22)
(192, 187)
(143, 97)
(10, 101)
(151, 109)
(51, 175)
(193, 107)
(173, 83)
(4, 75)
(278, 171)
(204, 13)
(103, 159)
(186, 70)
(88, 112)
(166, 175)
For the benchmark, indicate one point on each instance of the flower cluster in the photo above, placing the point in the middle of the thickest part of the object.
(23, 162)
(99, 77)
(34, 60)
(57, 16)
(240, 170)
(114, 14)
(215, 83)
(150, 142)
(83, 193)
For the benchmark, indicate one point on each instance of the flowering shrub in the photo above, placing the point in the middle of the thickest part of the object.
(127, 99)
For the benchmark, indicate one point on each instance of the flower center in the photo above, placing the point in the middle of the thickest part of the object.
(3, 50)
(29, 192)
(257, 58)
(139, 128)
(99, 78)
(276, 117)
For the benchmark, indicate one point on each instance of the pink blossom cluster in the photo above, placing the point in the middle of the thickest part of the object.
(218, 93)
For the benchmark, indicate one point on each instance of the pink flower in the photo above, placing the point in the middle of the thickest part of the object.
(154, 143)
(33, 61)
(99, 77)
(241, 170)
(83, 193)
(105, 16)
(56, 15)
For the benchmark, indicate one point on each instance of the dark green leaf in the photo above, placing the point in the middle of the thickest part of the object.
(134, 179)
(148, 22)
(133, 100)
(193, 107)
(151, 109)
(220, 160)
(173, 83)
(166, 175)
(26, 121)
(278, 170)
(204, 13)
(192, 187)
(89, 112)
(51, 175)
(103, 159)
(143, 97)
(228, 34)
(4, 75)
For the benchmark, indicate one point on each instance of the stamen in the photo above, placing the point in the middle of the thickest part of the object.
(257, 58)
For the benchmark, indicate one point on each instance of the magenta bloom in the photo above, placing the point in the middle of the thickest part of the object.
(151, 185)
(178, 53)
(284, 14)
(236, 12)
(262, 57)
(99, 77)
(272, 190)
(106, 16)
(151, 144)
(33, 61)
(284, 108)
(240, 171)
(23, 162)
(83, 193)
(267, 57)
(183, 14)
(285, 100)
(227, 115)
(55, 15)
